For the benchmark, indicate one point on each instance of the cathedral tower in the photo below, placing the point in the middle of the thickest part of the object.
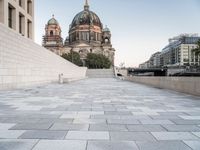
(52, 39)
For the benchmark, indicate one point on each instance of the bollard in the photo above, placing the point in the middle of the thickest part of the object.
(61, 78)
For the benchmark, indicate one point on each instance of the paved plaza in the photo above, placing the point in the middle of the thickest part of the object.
(98, 114)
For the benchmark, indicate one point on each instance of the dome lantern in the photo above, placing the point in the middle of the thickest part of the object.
(86, 6)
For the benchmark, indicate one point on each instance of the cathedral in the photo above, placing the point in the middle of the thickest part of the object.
(86, 35)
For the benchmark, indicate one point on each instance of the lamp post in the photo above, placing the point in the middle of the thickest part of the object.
(72, 59)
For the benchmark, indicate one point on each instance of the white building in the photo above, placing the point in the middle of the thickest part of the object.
(179, 51)
(18, 15)
(155, 60)
(145, 65)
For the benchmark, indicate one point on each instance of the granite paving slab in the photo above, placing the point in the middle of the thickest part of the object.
(158, 122)
(190, 117)
(8, 134)
(6, 126)
(195, 145)
(105, 127)
(145, 128)
(182, 128)
(163, 145)
(71, 127)
(131, 136)
(174, 136)
(17, 144)
(123, 121)
(185, 122)
(60, 145)
(43, 134)
(87, 135)
(32, 126)
(108, 145)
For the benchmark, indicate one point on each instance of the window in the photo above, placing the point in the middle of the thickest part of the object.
(10, 16)
(106, 40)
(51, 33)
(21, 24)
(88, 36)
(29, 7)
(20, 3)
(29, 29)
(83, 36)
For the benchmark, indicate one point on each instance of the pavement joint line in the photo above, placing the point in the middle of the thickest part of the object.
(35, 144)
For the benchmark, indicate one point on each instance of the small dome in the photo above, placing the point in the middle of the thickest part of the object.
(53, 21)
(106, 29)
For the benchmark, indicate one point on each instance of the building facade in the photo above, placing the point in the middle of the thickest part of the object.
(19, 16)
(153, 62)
(86, 35)
(179, 51)
(145, 65)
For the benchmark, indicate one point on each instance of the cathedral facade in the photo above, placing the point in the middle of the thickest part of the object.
(86, 35)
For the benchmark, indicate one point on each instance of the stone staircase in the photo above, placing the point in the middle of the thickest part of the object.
(100, 73)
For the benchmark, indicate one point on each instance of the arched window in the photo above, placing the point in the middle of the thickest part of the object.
(51, 33)
(88, 36)
(106, 40)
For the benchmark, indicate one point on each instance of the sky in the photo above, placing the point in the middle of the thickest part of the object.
(139, 27)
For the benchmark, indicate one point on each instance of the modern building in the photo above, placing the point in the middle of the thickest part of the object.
(145, 65)
(179, 51)
(153, 62)
(86, 35)
(18, 15)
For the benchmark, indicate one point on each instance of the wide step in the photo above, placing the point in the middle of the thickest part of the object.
(100, 73)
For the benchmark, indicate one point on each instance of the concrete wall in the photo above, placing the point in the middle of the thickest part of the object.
(24, 63)
(189, 85)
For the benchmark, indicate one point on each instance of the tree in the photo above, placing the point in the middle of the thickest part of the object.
(196, 51)
(73, 57)
(97, 61)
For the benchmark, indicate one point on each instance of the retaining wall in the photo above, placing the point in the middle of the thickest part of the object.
(189, 85)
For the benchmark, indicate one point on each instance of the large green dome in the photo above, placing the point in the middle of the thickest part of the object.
(86, 17)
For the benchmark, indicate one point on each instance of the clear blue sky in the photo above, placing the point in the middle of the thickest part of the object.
(139, 27)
